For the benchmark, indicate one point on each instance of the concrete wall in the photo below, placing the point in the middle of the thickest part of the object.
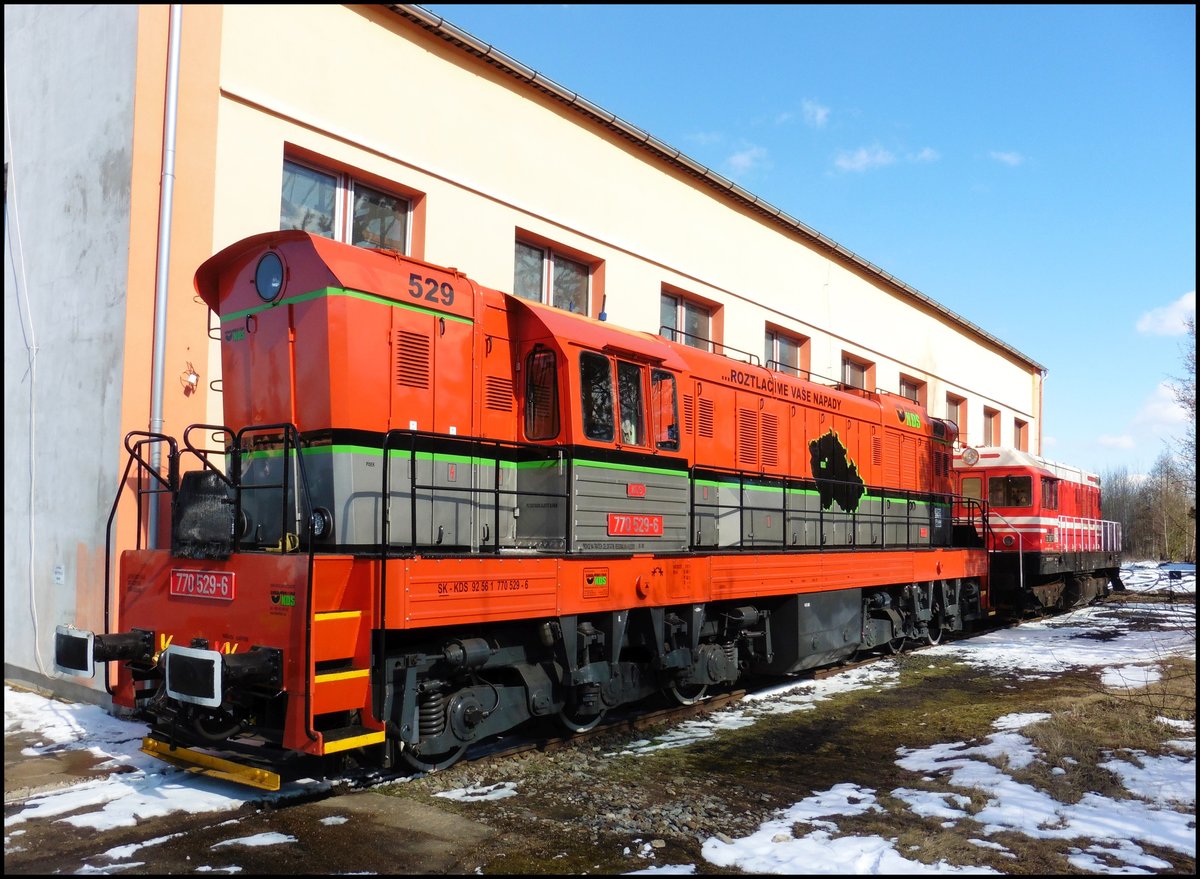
(66, 237)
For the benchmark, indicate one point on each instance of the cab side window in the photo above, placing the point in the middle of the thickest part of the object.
(972, 487)
(541, 395)
(632, 405)
(1049, 493)
(664, 410)
(596, 392)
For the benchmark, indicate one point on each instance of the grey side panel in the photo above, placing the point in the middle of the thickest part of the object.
(598, 492)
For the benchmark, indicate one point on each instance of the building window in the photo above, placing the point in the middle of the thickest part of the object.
(336, 205)
(956, 411)
(991, 427)
(785, 352)
(683, 320)
(544, 275)
(857, 373)
(1021, 434)
(912, 389)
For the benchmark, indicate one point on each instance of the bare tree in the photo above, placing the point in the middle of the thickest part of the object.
(1184, 387)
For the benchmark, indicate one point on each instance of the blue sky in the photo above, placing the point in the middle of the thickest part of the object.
(1032, 168)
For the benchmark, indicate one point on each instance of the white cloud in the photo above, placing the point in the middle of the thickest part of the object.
(1124, 441)
(815, 114)
(1168, 320)
(1008, 158)
(1161, 409)
(929, 154)
(746, 160)
(863, 159)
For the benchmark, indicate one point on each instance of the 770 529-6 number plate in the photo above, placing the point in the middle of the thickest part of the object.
(636, 525)
(203, 584)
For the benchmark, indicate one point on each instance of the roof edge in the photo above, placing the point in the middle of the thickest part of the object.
(474, 46)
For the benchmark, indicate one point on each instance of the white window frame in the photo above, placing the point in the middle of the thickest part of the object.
(681, 303)
(550, 257)
(771, 352)
(917, 387)
(863, 366)
(345, 186)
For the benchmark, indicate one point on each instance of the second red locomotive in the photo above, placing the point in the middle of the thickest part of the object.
(1049, 547)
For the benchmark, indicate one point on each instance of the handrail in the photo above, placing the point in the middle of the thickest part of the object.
(170, 485)
(1081, 534)
(1020, 549)
(746, 479)
(291, 444)
(202, 454)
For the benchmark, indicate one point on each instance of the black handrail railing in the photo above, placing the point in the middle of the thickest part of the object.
(748, 480)
(169, 485)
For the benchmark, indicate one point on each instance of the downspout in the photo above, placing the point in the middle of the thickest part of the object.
(166, 201)
(1041, 386)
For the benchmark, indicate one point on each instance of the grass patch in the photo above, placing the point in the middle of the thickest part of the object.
(579, 810)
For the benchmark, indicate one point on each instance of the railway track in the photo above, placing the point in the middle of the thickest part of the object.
(639, 717)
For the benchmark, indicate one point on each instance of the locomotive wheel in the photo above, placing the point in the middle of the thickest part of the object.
(896, 645)
(933, 633)
(684, 694)
(432, 762)
(574, 722)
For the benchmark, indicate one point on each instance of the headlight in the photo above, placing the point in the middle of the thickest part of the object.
(322, 523)
(268, 277)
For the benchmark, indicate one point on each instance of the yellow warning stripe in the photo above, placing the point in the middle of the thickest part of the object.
(341, 675)
(371, 738)
(206, 764)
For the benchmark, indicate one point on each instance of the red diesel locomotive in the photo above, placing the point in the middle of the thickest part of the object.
(436, 511)
(1049, 547)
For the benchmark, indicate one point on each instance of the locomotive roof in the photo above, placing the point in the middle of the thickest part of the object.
(438, 26)
(1003, 456)
(577, 328)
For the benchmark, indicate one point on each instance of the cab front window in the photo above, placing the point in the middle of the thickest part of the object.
(1010, 491)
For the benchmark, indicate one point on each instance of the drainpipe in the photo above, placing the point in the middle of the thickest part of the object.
(166, 200)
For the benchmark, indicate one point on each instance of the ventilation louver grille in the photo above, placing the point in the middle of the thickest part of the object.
(498, 394)
(747, 438)
(412, 359)
(770, 440)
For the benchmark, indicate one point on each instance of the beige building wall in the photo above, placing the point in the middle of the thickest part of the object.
(495, 158)
(486, 151)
